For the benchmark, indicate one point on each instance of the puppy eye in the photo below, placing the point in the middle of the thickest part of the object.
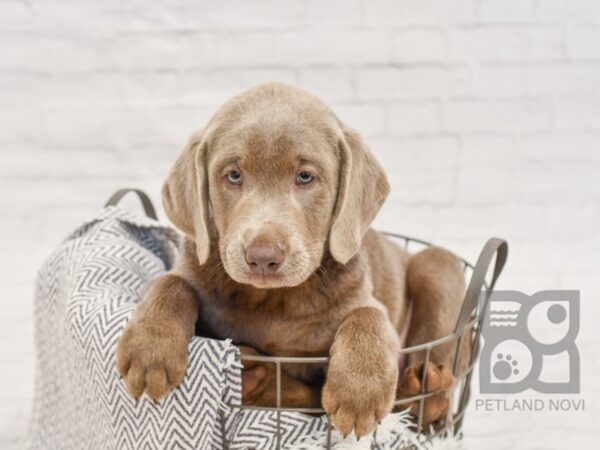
(304, 178)
(234, 177)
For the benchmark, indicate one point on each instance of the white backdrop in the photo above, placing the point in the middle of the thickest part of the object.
(486, 114)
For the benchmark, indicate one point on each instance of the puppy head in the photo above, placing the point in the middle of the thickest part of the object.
(282, 180)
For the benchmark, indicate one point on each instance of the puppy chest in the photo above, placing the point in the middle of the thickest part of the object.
(266, 332)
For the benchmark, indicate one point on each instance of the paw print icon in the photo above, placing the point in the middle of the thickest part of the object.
(505, 367)
(529, 343)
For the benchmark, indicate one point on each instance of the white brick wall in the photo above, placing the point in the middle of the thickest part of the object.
(486, 114)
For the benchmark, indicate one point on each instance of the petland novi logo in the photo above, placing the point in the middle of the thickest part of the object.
(529, 343)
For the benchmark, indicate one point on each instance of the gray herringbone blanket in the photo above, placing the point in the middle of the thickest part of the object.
(85, 294)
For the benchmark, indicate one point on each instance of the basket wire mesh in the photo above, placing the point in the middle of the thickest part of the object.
(468, 325)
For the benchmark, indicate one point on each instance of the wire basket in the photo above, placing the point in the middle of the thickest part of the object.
(468, 325)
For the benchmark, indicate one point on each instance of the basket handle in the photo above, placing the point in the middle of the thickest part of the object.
(493, 247)
(146, 202)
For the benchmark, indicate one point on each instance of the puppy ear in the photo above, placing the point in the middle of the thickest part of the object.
(185, 194)
(362, 189)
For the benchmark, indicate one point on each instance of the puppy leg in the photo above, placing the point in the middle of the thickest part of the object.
(363, 371)
(259, 386)
(435, 282)
(152, 353)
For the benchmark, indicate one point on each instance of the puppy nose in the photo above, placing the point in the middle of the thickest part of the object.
(264, 258)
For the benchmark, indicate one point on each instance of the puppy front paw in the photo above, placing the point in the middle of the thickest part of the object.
(438, 379)
(357, 398)
(152, 359)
